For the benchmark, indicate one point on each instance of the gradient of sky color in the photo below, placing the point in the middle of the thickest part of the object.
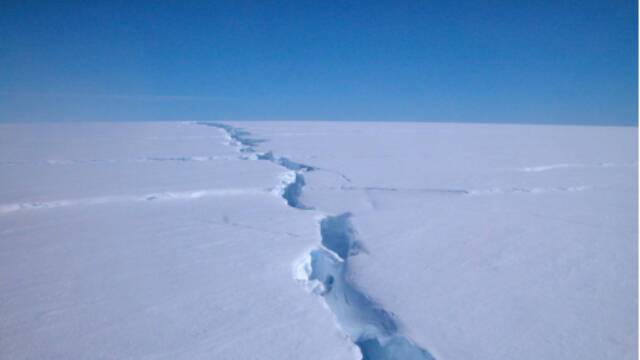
(465, 61)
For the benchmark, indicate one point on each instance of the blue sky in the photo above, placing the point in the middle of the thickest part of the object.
(476, 61)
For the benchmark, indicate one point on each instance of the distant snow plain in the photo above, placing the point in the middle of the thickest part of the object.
(314, 240)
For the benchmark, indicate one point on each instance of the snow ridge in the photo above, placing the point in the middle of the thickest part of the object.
(324, 270)
(550, 167)
(158, 196)
(58, 162)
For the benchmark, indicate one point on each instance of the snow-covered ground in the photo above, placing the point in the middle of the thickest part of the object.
(303, 240)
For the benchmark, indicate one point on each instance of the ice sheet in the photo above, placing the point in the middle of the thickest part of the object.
(412, 240)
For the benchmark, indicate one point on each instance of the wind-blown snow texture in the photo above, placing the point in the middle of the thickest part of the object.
(422, 241)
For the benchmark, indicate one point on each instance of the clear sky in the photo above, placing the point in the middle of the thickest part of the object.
(464, 61)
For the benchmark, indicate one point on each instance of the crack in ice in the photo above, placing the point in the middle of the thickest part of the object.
(465, 192)
(372, 329)
(291, 182)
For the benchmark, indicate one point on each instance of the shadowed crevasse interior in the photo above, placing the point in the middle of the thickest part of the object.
(369, 326)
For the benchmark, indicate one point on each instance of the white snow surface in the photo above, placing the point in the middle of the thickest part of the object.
(175, 241)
